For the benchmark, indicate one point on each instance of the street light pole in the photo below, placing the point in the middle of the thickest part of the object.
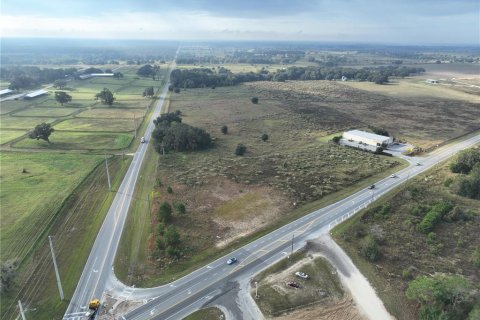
(293, 237)
(256, 289)
(108, 173)
(57, 274)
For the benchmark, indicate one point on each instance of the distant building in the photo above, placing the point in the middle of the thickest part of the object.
(367, 138)
(91, 75)
(35, 94)
(431, 81)
(5, 92)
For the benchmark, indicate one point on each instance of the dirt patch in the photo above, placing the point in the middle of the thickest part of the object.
(343, 309)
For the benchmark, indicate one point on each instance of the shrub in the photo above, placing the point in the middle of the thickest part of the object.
(240, 150)
(169, 190)
(465, 161)
(180, 208)
(369, 248)
(264, 137)
(254, 100)
(165, 212)
(336, 139)
(224, 129)
(468, 186)
(176, 90)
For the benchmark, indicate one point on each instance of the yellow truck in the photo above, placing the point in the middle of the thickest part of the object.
(93, 305)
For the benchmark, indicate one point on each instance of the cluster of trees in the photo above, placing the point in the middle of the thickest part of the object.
(8, 272)
(446, 297)
(205, 77)
(468, 165)
(433, 216)
(105, 96)
(168, 237)
(41, 131)
(379, 131)
(171, 134)
(117, 75)
(27, 77)
(148, 70)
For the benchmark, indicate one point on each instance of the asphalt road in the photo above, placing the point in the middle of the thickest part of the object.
(187, 294)
(99, 266)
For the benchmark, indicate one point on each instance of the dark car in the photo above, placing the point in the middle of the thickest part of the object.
(371, 187)
(293, 284)
(231, 261)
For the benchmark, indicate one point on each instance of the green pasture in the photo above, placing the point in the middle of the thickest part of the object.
(45, 112)
(91, 124)
(34, 186)
(9, 122)
(12, 105)
(113, 113)
(67, 140)
(9, 135)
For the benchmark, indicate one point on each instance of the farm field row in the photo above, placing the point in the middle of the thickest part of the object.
(83, 115)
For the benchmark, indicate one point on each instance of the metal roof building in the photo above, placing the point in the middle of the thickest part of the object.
(35, 94)
(91, 75)
(367, 138)
(5, 91)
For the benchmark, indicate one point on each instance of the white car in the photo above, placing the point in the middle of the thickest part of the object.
(142, 140)
(393, 176)
(301, 275)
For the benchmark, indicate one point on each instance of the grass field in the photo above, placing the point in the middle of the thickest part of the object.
(30, 200)
(405, 252)
(112, 113)
(67, 140)
(45, 112)
(9, 135)
(9, 122)
(206, 314)
(98, 124)
(12, 105)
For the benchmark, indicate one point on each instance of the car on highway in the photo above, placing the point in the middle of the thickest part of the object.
(301, 275)
(393, 176)
(142, 139)
(231, 261)
(371, 187)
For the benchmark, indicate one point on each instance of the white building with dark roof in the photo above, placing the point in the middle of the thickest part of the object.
(368, 138)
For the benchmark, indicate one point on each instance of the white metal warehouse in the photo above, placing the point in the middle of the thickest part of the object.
(367, 138)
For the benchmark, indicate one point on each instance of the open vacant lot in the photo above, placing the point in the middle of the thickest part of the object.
(229, 198)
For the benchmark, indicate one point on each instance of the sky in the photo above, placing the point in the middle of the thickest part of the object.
(428, 22)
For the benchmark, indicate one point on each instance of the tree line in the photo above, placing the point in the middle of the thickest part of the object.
(206, 77)
(27, 76)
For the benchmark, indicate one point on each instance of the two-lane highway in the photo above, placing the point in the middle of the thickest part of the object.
(192, 291)
(99, 266)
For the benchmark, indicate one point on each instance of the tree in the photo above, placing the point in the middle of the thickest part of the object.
(148, 92)
(181, 208)
(60, 83)
(465, 161)
(336, 139)
(92, 70)
(117, 75)
(8, 271)
(106, 96)
(224, 129)
(254, 100)
(264, 137)
(62, 97)
(369, 248)
(165, 212)
(171, 236)
(41, 131)
(146, 71)
(240, 149)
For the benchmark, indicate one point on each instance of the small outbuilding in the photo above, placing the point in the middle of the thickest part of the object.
(431, 81)
(368, 138)
(35, 94)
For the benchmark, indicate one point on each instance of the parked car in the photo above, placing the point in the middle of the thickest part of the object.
(371, 187)
(301, 274)
(231, 261)
(293, 284)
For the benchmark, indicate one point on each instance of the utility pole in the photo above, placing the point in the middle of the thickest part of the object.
(256, 289)
(148, 199)
(21, 310)
(108, 173)
(135, 125)
(163, 149)
(293, 237)
(56, 268)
